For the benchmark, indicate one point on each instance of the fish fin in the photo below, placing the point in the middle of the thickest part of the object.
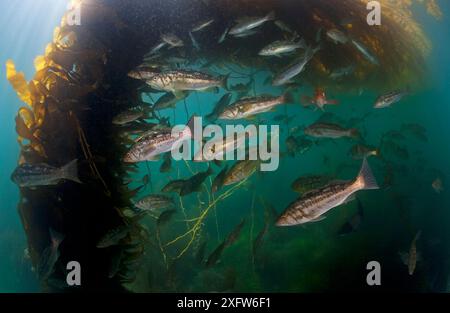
(288, 98)
(70, 171)
(153, 158)
(318, 219)
(349, 199)
(179, 94)
(224, 81)
(354, 133)
(366, 180)
(55, 237)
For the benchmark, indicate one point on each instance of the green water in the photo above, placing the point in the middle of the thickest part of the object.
(295, 259)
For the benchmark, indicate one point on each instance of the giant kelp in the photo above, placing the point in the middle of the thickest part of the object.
(81, 83)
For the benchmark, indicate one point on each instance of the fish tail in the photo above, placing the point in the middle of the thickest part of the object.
(366, 180)
(70, 171)
(271, 16)
(56, 237)
(354, 133)
(288, 97)
(224, 81)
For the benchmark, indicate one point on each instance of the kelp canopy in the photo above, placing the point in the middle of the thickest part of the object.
(81, 83)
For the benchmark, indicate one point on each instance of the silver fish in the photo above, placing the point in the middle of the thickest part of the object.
(172, 40)
(32, 175)
(314, 204)
(127, 116)
(194, 41)
(390, 98)
(329, 130)
(202, 25)
(251, 106)
(224, 35)
(294, 70)
(281, 47)
(342, 72)
(368, 55)
(154, 143)
(337, 36)
(176, 81)
(49, 256)
(248, 23)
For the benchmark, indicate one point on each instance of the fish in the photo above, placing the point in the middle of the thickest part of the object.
(240, 171)
(202, 25)
(319, 99)
(194, 184)
(172, 40)
(329, 130)
(200, 255)
(214, 257)
(223, 36)
(250, 106)
(281, 47)
(342, 72)
(232, 237)
(113, 236)
(182, 80)
(34, 175)
(155, 49)
(246, 24)
(360, 151)
(354, 223)
(219, 180)
(410, 259)
(165, 217)
(143, 73)
(337, 36)
(389, 99)
(313, 205)
(307, 183)
(127, 116)
(116, 260)
(246, 34)
(438, 185)
(391, 147)
(365, 52)
(154, 143)
(169, 100)
(173, 186)
(295, 69)
(49, 256)
(167, 163)
(154, 203)
(219, 148)
(194, 41)
(235, 234)
(219, 107)
(416, 130)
